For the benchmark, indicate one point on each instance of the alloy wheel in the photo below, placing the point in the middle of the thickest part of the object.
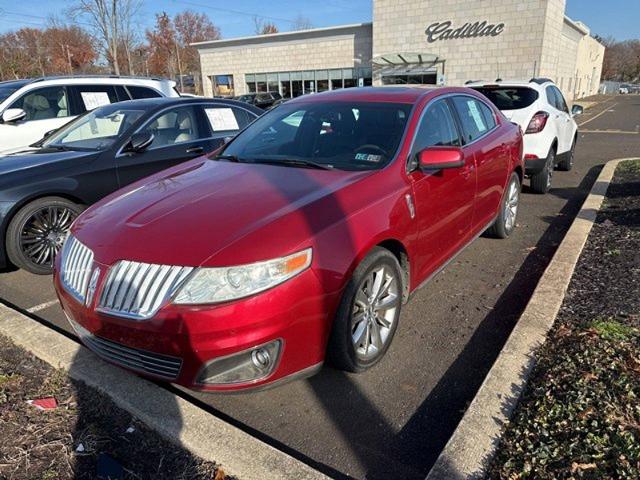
(44, 232)
(374, 311)
(511, 207)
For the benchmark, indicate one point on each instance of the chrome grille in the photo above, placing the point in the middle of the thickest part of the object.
(136, 359)
(137, 290)
(75, 267)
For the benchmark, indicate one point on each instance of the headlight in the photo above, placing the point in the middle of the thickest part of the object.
(214, 285)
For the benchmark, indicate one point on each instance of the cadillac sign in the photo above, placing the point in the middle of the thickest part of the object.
(444, 30)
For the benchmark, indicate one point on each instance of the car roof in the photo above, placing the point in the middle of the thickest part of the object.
(163, 102)
(14, 83)
(391, 94)
(509, 83)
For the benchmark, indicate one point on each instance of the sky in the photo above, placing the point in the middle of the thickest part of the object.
(617, 18)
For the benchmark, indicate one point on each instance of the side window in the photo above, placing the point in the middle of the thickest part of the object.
(142, 92)
(551, 97)
(227, 119)
(44, 103)
(179, 125)
(488, 115)
(437, 128)
(91, 97)
(474, 123)
(562, 105)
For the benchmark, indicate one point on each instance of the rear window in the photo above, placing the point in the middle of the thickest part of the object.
(509, 98)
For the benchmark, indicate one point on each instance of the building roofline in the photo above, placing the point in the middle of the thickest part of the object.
(579, 26)
(272, 36)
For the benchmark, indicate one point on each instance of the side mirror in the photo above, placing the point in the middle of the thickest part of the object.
(11, 115)
(139, 142)
(577, 110)
(438, 158)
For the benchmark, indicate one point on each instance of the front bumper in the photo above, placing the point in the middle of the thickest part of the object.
(178, 341)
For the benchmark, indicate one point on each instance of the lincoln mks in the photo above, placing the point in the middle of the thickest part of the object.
(297, 241)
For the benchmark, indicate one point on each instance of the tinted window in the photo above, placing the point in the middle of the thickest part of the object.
(474, 123)
(9, 88)
(561, 104)
(509, 98)
(96, 130)
(345, 135)
(94, 96)
(437, 127)
(142, 92)
(488, 115)
(44, 103)
(178, 125)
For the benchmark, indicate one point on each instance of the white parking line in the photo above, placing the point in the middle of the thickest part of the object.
(42, 306)
(606, 110)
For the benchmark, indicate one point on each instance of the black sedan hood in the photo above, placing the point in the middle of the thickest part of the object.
(34, 158)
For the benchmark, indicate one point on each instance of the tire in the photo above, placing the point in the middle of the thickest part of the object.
(36, 233)
(352, 345)
(541, 181)
(508, 215)
(567, 163)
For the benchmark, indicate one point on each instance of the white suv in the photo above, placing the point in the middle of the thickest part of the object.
(550, 132)
(31, 108)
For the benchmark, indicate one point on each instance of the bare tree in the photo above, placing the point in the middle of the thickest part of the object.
(112, 22)
(301, 23)
(263, 27)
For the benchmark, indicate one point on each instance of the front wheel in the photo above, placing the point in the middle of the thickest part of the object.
(36, 233)
(368, 314)
(506, 221)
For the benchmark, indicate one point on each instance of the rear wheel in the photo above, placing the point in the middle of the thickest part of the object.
(541, 181)
(506, 221)
(36, 233)
(368, 314)
(567, 162)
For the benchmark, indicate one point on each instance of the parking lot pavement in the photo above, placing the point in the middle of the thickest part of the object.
(392, 421)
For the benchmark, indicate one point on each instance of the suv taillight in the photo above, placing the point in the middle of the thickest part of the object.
(538, 122)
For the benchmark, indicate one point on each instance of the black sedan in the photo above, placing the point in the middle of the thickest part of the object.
(43, 188)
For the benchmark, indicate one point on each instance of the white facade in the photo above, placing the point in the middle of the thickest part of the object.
(446, 42)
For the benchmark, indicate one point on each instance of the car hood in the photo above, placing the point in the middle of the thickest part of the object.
(215, 213)
(33, 158)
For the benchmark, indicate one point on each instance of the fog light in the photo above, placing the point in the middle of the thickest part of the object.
(243, 367)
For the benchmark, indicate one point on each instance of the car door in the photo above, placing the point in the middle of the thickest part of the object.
(443, 199)
(223, 122)
(179, 135)
(566, 125)
(46, 109)
(481, 135)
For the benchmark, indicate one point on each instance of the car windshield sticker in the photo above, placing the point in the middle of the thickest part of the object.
(95, 99)
(222, 119)
(476, 115)
(368, 157)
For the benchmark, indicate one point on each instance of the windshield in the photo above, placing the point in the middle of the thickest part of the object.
(343, 135)
(509, 98)
(7, 90)
(97, 130)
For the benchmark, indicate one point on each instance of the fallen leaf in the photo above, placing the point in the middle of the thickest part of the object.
(219, 474)
(582, 466)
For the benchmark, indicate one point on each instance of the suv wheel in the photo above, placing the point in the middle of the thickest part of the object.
(541, 181)
(567, 163)
(368, 314)
(36, 233)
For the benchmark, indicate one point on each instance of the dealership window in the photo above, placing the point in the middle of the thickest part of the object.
(251, 83)
(336, 79)
(322, 79)
(272, 82)
(222, 85)
(294, 84)
(429, 78)
(261, 83)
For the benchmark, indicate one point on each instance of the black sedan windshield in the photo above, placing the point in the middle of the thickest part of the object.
(97, 130)
(343, 135)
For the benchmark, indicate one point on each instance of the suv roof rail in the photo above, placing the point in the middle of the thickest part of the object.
(541, 80)
(64, 77)
(472, 81)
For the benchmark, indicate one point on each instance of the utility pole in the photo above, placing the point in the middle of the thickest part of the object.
(69, 60)
(179, 66)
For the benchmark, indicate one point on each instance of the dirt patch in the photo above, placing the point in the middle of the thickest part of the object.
(85, 437)
(580, 414)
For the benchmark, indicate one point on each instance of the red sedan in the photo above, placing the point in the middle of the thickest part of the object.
(299, 240)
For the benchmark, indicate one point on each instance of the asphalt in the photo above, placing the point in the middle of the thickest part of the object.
(392, 421)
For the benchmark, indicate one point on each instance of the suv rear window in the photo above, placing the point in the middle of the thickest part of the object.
(509, 98)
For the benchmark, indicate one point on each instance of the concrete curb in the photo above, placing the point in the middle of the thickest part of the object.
(176, 419)
(476, 438)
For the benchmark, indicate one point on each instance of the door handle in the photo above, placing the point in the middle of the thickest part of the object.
(195, 150)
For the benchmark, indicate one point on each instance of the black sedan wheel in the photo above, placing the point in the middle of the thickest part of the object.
(36, 233)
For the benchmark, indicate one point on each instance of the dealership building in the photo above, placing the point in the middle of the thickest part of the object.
(432, 42)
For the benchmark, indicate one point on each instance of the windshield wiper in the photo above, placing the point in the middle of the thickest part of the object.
(294, 163)
(228, 158)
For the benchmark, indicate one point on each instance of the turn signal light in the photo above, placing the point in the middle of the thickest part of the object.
(538, 122)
